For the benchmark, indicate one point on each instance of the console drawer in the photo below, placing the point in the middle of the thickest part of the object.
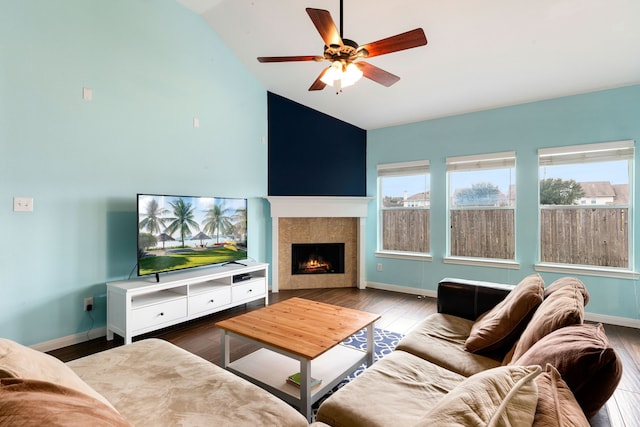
(158, 314)
(252, 289)
(209, 300)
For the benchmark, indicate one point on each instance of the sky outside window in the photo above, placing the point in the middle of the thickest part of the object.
(615, 172)
(395, 186)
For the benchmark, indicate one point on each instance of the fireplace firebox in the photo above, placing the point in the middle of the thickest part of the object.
(317, 258)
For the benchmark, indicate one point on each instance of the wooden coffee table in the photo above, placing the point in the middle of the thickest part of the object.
(298, 335)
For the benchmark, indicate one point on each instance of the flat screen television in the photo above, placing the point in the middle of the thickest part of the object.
(178, 232)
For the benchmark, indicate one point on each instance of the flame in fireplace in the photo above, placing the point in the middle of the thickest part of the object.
(314, 265)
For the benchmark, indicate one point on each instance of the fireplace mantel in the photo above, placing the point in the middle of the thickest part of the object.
(318, 207)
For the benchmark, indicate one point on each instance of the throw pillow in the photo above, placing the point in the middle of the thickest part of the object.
(18, 361)
(556, 404)
(585, 361)
(503, 396)
(568, 281)
(563, 307)
(25, 402)
(498, 328)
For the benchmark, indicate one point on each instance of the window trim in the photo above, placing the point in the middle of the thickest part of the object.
(587, 270)
(582, 154)
(476, 162)
(414, 256)
(385, 170)
(511, 264)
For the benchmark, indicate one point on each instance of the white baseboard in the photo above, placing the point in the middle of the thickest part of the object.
(402, 289)
(612, 320)
(101, 332)
(70, 339)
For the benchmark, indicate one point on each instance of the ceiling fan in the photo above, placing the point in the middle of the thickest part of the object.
(344, 54)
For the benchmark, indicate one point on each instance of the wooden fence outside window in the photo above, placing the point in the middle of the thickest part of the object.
(406, 230)
(585, 235)
(483, 233)
(596, 236)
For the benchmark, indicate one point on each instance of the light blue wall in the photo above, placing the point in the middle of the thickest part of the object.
(596, 117)
(152, 66)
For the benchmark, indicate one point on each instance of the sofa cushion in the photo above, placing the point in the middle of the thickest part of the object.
(396, 390)
(18, 361)
(155, 383)
(25, 402)
(440, 339)
(556, 404)
(567, 281)
(504, 396)
(499, 327)
(563, 307)
(584, 359)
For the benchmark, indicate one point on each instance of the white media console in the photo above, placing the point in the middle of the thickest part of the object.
(142, 305)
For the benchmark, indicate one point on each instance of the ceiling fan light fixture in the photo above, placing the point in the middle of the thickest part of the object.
(333, 73)
(344, 75)
(351, 75)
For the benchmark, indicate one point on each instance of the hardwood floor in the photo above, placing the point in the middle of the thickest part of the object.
(399, 313)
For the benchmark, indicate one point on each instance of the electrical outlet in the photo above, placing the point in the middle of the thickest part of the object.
(379, 267)
(23, 204)
(88, 304)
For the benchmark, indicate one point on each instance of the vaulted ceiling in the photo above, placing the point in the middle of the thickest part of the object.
(480, 54)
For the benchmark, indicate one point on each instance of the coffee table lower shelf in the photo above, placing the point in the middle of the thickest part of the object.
(270, 370)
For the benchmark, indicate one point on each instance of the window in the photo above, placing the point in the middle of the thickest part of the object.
(404, 202)
(481, 206)
(585, 217)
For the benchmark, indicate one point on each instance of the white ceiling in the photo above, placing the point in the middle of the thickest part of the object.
(480, 54)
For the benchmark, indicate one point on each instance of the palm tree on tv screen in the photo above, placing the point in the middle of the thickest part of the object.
(240, 226)
(183, 219)
(153, 220)
(153, 223)
(219, 219)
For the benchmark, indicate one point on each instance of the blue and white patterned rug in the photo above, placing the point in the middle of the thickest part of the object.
(385, 341)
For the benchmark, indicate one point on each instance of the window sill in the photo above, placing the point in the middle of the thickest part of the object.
(416, 256)
(483, 262)
(588, 271)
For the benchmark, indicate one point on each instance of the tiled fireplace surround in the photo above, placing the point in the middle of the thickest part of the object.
(323, 219)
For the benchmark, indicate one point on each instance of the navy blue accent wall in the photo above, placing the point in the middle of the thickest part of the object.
(313, 154)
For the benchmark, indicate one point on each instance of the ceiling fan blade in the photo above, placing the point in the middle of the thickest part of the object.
(376, 74)
(325, 26)
(290, 58)
(408, 40)
(319, 84)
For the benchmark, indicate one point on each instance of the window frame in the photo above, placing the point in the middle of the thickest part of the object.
(582, 154)
(415, 167)
(487, 161)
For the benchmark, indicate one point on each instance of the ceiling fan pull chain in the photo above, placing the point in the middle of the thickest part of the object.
(341, 15)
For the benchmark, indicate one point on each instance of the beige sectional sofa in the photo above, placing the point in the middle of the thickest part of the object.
(147, 383)
(494, 354)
